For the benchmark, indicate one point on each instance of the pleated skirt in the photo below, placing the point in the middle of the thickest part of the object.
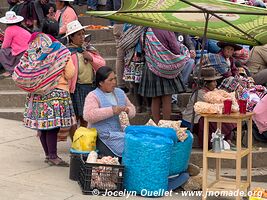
(49, 111)
(152, 85)
(78, 97)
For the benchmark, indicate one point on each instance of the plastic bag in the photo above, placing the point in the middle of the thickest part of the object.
(124, 120)
(84, 139)
(146, 158)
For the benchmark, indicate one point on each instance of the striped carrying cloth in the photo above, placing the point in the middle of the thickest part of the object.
(217, 61)
(42, 65)
(162, 61)
(130, 37)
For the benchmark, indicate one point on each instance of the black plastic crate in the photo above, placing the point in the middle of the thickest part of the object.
(75, 165)
(96, 178)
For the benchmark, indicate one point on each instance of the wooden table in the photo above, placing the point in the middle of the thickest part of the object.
(222, 184)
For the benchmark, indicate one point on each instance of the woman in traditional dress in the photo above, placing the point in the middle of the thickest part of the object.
(14, 44)
(47, 66)
(102, 109)
(84, 57)
(164, 61)
(64, 15)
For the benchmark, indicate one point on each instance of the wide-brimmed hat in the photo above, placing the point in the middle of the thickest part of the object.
(73, 27)
(208, 74)
(224, 44)
(11, 18)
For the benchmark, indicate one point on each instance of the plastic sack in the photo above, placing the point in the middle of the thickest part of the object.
(146, 159)
(153, 130)
(84, 139)
(124, 120)
(180, 155)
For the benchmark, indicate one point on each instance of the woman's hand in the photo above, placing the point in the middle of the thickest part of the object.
(87, 57)
(126, 110)
(118, 109)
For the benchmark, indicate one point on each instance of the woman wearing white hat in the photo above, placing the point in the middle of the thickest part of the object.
(86, 60)
(14, 44)
(64, 15)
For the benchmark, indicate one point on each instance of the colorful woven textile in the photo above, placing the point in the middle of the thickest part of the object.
(49, 111)
(244, 89)
(242, 55)
(232, 84)
(162, 61)
(130, 38)
(133, 72)
(41, 66)
(253, 96)
(216, 61)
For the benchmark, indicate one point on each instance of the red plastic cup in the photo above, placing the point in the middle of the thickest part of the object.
(227, 106)
(242, 106)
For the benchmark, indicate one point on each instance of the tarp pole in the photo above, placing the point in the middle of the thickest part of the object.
(204, 39)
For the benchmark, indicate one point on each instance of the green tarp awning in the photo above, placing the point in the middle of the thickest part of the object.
(228, 21)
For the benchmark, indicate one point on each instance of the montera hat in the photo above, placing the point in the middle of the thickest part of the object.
(224, 44)
(11, 18)
(208, 74)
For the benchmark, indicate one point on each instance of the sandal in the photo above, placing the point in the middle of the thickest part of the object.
(3, 77)
(46, 159)
(61, 163)
(6, 74)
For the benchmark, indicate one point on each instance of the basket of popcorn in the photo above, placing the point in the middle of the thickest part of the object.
(101, 175)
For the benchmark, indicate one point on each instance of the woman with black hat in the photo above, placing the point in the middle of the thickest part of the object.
(208, 75)
(223, 62)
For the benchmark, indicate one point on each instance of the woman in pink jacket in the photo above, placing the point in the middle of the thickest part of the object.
(14, 44)
(102, 109)
(86, 61)
(64, 15)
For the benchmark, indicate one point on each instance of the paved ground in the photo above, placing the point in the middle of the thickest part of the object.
(24, 175)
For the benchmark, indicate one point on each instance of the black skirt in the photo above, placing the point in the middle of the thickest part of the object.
(152, 85)
(78, 97)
